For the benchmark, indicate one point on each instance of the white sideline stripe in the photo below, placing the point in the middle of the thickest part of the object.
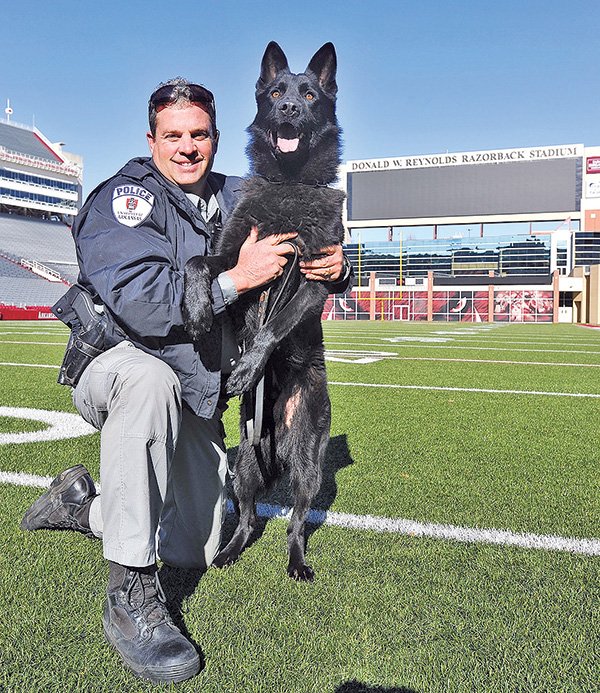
(545, 542)
(466, 389)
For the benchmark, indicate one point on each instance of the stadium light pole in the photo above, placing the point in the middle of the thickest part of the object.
(400, 263)
(359, 257)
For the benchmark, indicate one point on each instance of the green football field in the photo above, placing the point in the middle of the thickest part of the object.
(458, 548)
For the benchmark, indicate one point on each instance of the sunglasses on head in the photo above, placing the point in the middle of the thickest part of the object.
(169, 93)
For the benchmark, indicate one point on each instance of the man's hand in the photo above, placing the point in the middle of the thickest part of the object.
(327, 268)
(259, 262)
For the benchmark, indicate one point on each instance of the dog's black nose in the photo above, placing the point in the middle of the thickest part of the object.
(288, 108)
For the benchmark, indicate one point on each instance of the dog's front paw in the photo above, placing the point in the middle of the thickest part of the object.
(243, 378)
(301, 573)
(224, 559)
(197, 316)
(196, 306)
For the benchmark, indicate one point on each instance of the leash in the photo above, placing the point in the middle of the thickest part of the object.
(265, 315)
(254, 425)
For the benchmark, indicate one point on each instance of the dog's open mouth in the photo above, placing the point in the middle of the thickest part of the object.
(286, 138)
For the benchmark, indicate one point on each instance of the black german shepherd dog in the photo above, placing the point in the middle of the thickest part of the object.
(294, 153)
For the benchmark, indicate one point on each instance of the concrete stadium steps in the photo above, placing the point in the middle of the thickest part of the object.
(69, 272)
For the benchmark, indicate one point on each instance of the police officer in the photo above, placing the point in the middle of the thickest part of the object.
(156, 403)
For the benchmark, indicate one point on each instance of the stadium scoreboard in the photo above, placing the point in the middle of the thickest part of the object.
(448, 187)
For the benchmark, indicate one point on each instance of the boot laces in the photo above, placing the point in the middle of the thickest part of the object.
(145, 594)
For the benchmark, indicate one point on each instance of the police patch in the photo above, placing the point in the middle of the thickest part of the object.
(131, 204)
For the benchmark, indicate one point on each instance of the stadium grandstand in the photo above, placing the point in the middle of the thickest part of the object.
(40, 193)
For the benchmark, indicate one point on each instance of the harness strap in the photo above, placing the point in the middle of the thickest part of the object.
(265, 314)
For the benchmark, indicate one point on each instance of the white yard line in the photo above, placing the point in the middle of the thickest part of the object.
(382, 355)
(29, 365)
(449, 337)
(501, 537)
(60, 344)
(409, 387)
(548, 542)
(23, 479)
(422, 345)
(59, 425)
(466, 389)
(33, 332)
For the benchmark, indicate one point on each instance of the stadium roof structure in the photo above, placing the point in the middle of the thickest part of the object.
(37, 178)
(24, 141)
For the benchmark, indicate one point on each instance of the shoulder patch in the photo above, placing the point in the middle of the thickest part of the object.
(131, 204)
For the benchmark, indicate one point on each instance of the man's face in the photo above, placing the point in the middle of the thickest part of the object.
(184, 145)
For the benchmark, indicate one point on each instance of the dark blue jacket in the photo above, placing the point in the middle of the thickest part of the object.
(133, 236)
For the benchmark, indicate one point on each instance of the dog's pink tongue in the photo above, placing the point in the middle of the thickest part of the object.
(287, 145)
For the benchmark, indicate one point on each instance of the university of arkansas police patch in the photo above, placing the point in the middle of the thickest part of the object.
(131, 204)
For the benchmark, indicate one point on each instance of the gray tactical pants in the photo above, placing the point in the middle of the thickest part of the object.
(162, 469)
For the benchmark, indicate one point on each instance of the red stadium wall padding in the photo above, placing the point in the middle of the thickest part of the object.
(27, 313)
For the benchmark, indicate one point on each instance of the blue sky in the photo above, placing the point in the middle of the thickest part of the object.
(414, 77)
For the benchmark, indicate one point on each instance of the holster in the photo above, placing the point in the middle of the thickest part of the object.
(88, 328)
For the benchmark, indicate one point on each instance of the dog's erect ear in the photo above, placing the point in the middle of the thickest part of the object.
(324, 65)
(273, 61)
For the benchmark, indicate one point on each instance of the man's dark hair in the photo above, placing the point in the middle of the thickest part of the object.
(180, 92)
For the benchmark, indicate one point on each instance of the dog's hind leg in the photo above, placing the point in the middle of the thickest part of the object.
(308, 430)
(305, 486)
(247, 483)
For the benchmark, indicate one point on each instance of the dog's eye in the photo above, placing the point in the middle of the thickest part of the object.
(275, 93)
(309, 96)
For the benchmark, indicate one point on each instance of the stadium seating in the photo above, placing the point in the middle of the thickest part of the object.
(27, 292)
(35, 239)
(47, 242)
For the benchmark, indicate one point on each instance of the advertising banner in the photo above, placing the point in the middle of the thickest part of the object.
(521, 305)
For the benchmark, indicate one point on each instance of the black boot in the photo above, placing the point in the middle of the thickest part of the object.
(138, 625)
(65, 505)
